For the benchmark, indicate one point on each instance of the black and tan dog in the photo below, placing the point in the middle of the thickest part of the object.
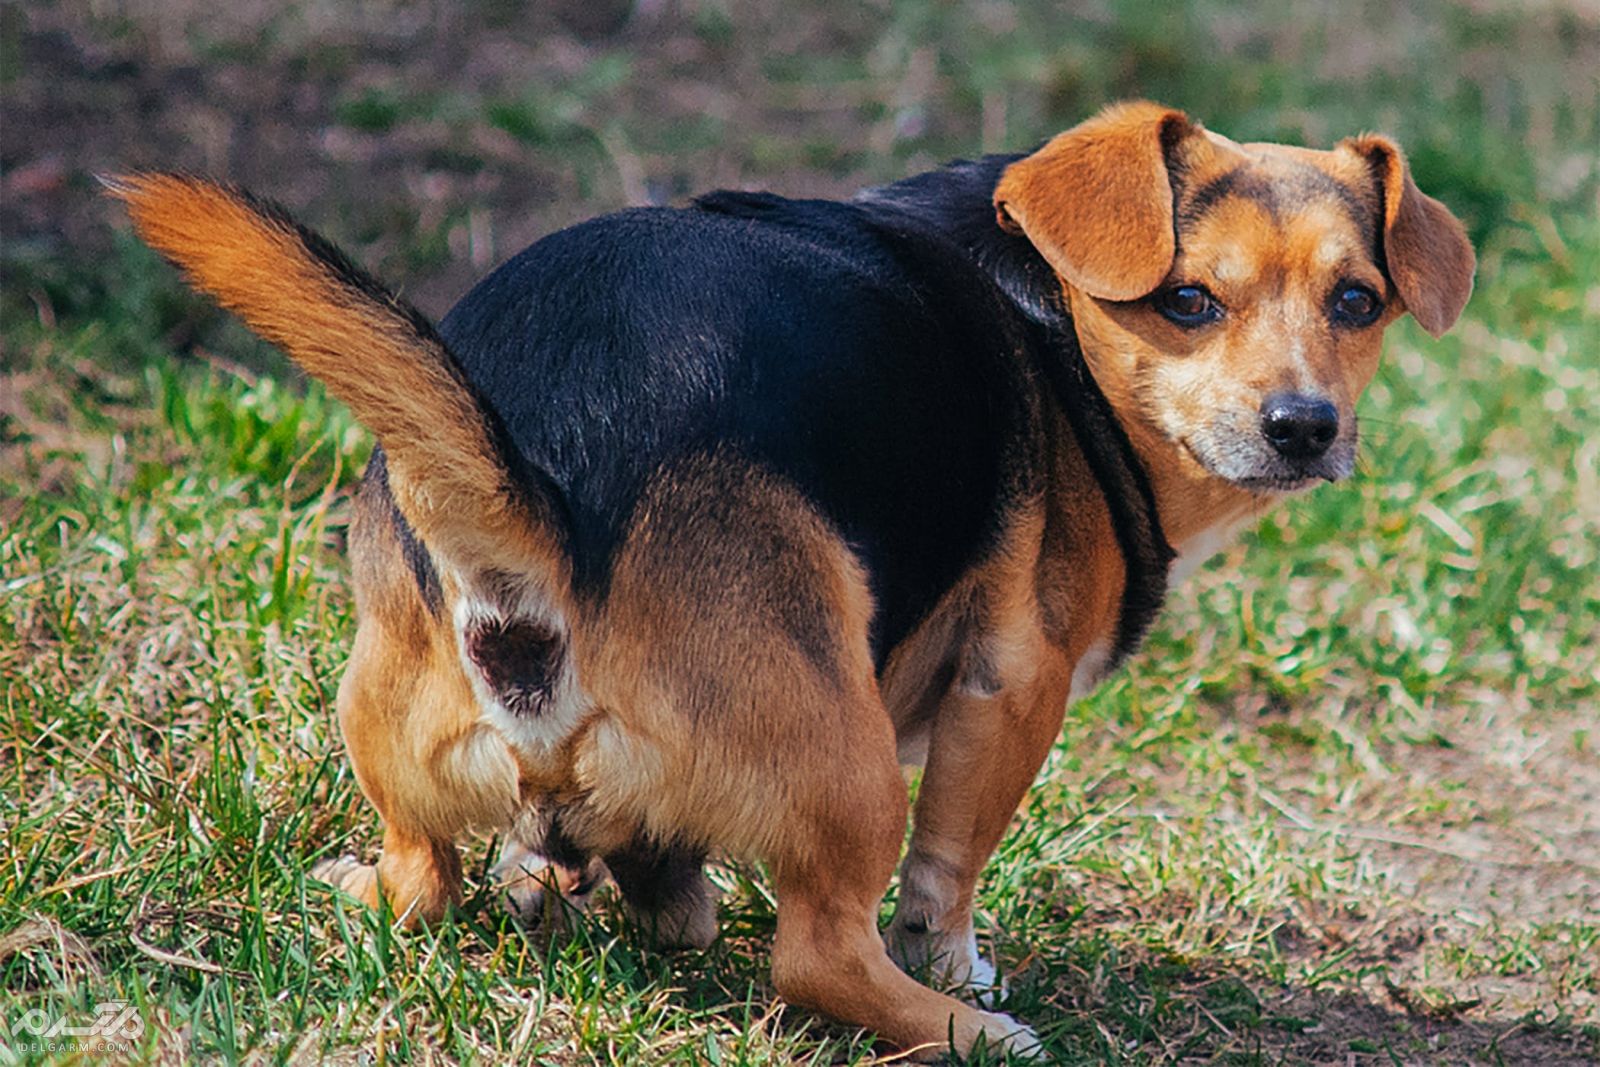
(689, 528)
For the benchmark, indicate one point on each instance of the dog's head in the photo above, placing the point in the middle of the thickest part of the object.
(1231, 298)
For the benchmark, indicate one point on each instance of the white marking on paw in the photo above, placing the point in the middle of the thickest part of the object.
(952, 957)
(334, 871)
(980, 970)
(1005, 1033)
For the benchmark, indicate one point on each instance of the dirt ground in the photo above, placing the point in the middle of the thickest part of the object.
(371, 119)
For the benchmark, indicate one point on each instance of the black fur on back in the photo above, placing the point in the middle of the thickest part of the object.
(888, 356)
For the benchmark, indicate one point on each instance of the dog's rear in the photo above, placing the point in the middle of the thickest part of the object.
(442, 478)
(666, 747)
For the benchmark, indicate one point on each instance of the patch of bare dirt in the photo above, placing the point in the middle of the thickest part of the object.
(386, 124)
(1349, 1029)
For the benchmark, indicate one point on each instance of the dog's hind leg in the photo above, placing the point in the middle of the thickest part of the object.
(667, 892)
(423, 755)
(828, 954)
(755, 725)
(429, 767)
(420, 877)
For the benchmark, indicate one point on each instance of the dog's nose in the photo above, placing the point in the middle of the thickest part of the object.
(1299, 426)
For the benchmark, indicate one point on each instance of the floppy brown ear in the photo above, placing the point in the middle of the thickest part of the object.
(1425, 248)
(1096, 201)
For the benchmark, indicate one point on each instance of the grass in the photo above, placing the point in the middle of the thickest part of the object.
(1342, 807)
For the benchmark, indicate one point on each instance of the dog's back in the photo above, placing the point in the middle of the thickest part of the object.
(875, 371)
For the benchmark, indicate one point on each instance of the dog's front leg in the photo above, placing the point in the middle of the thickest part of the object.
(423, 759)
(987, 743)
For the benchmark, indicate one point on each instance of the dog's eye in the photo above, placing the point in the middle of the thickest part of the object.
(1188, 305)
(1356, 305)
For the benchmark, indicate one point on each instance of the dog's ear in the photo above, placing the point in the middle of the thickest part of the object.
(1096, 201)
(1425, 248)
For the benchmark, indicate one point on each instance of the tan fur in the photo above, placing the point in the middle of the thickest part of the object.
(684, 637)
(1176, 390)
(721, 695)
(422, 754)
(367, 351)
(1096, 201)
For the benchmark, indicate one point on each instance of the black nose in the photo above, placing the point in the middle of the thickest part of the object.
(1299, 426)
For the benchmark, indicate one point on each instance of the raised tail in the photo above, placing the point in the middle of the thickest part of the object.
(454, 476)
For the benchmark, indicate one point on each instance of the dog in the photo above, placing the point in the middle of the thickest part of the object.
(688, 528)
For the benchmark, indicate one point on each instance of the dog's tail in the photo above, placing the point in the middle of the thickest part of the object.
(455, 476)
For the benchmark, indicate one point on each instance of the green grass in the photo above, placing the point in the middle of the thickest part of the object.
(1341, 806)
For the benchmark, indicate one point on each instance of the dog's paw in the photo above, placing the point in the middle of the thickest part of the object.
(980, 977)
(1002, 1033)
(541, 894)
(687, 919)
(950, 959)
(350, 875)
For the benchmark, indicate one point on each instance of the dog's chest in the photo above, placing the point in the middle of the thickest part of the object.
(1196, 549)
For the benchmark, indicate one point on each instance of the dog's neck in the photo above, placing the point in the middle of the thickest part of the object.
(957, 201)
(1194, 503)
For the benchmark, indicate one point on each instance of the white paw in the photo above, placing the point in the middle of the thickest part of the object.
(980, 972)
(1006, 1034)
(952, 958)
(337, 871)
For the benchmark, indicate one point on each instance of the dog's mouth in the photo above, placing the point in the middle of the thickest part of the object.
(1278, 483)
(1249, 462)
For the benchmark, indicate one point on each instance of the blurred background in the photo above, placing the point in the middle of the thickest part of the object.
(434, 139)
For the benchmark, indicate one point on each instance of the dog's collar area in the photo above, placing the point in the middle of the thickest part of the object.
(1124, 484)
